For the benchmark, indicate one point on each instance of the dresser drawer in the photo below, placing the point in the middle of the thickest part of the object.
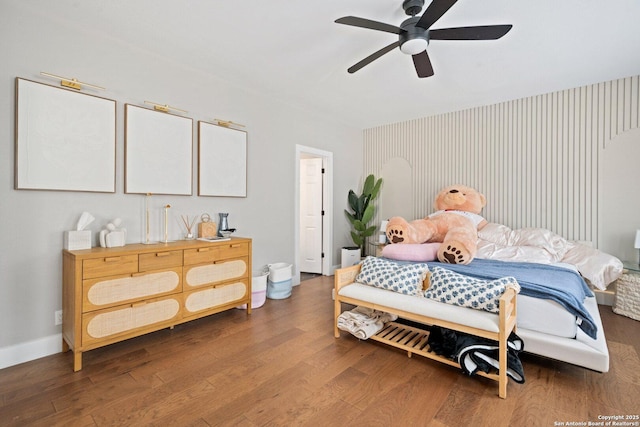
(132, 319)
(109, 266)
(115, 290)
(159, 260)
(217, 272)
(212, 297)
(213, 253)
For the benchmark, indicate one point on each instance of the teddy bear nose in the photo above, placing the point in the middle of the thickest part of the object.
(454, 191)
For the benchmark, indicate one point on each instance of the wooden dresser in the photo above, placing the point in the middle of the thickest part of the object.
(112, 294)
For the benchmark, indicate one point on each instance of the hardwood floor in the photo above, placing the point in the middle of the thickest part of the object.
(281, 366)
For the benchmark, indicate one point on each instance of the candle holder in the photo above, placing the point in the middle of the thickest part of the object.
(147, 220)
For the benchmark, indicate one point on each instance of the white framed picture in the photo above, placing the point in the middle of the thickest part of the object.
(222, 161)
(158, 152)
(64, 140)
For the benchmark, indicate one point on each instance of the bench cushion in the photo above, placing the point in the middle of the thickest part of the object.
(421, 306)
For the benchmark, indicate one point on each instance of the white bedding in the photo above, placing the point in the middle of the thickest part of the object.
(496, 241)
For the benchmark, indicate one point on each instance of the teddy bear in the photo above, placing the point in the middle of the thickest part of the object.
(455, 224)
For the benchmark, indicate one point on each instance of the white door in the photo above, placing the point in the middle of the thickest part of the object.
(311, 215)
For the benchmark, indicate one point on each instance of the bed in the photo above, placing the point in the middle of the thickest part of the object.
(545, 324)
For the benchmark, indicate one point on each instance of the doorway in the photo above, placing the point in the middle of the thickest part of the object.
(314, 219)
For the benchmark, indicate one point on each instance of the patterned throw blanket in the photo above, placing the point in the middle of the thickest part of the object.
(564, 286)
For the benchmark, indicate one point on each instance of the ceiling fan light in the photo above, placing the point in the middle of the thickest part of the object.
(414, 46)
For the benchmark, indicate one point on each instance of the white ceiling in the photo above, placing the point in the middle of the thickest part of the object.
(293, 50)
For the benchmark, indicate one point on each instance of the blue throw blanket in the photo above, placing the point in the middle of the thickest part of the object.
(564, 286)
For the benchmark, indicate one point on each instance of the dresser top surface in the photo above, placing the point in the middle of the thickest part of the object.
(153, 247)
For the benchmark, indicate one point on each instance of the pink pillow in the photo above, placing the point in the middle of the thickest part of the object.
(411, 251)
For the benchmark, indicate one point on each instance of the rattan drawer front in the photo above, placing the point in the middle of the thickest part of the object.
(109, 266)
(160, 260)
(130, 320)
(213, 253)
(209, 274)
(209, 298)
(108, 292)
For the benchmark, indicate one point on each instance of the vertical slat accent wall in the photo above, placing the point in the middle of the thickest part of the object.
(535, 159)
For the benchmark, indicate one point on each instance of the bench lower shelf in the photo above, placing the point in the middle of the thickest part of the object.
(414, 341)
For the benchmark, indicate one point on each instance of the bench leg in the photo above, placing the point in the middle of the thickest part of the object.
(502, 374)
(336, 312)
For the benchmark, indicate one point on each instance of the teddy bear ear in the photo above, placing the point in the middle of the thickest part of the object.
(483, 200)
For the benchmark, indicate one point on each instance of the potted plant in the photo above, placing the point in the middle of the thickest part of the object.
(362, 211)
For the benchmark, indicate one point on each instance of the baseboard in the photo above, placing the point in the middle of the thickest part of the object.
(31, 350)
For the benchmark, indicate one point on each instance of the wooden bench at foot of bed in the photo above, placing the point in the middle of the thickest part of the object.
(479, 323)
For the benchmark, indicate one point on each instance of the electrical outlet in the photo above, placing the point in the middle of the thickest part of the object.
(58, 317)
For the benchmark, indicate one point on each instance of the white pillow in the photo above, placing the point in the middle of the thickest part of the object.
(599, 268)
(405, 278)
(452, 288)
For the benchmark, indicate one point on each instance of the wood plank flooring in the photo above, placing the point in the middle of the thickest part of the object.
(281, 366)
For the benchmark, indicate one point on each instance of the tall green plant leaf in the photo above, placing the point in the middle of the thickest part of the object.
(362, 211)
(369, 182)
(368, 214)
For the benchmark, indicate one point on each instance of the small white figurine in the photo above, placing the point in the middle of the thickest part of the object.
(113, 236)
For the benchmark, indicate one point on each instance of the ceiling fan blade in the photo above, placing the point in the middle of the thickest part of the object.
(423, 64)
(436, 9)
(483, 32)
(367, 23)
(369, 59)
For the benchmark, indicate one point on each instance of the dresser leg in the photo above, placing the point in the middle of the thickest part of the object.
(65, 346)
(77, 361)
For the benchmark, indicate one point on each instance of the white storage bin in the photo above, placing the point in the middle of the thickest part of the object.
(279, 290)
(258, 290)
(280, 271)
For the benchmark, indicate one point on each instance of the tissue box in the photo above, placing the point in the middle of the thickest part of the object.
(76, 240)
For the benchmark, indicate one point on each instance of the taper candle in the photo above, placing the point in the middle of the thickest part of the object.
(166, 223)
(146, 208)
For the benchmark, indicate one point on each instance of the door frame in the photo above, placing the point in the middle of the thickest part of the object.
(327, 205)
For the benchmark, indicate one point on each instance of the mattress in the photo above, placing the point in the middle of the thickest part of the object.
(582, 351)
(546, 316)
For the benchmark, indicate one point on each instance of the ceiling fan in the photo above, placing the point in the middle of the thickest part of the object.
(415, 32)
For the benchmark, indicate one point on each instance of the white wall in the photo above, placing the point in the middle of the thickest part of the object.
(619, 202)
(32, 222)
